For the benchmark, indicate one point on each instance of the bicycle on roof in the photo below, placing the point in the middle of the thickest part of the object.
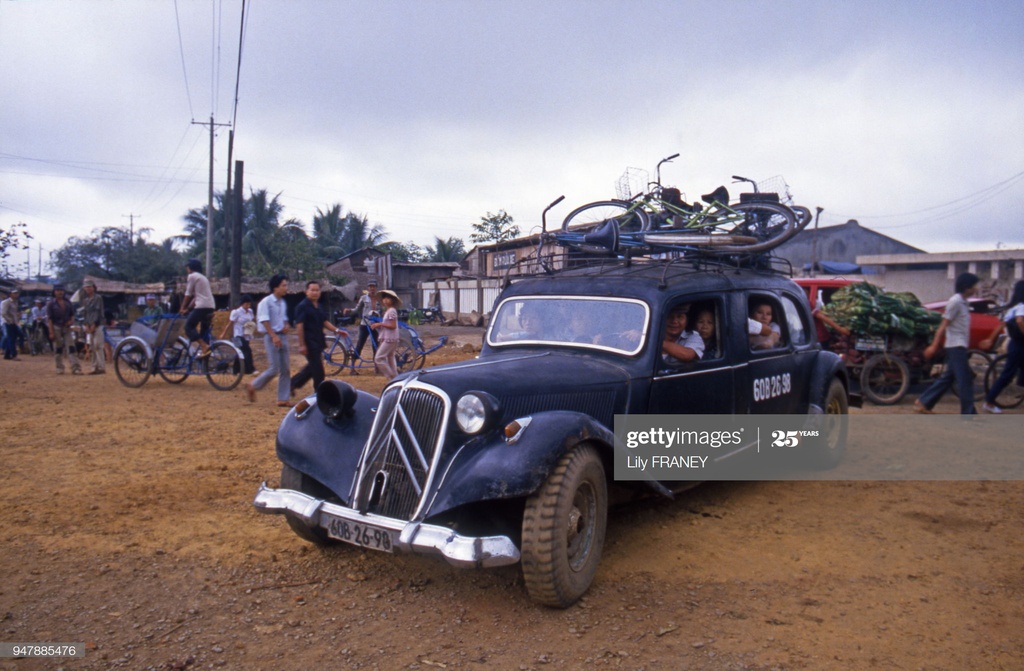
(659, 220)
(164, 351)
(410, 355)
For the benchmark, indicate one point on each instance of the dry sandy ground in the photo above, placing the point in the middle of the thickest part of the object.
(128, 525)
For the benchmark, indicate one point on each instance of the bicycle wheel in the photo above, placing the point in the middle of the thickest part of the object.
(172, 362)
(407, 358)
(593, 215)
(223, 366)
(760, 226)
(337, 356)
(131, 363)
(1013, 394)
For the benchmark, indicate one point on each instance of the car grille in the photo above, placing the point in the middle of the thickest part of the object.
(400, 453)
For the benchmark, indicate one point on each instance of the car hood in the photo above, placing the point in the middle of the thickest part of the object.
(530, 382)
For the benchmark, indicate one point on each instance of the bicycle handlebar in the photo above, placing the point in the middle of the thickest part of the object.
(746, 179)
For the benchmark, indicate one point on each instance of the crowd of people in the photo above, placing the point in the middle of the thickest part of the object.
(681, 343)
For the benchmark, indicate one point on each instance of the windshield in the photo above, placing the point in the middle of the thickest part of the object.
(613, 324)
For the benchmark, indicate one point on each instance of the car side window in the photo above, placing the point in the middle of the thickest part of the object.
(764, 327)
(798, 331)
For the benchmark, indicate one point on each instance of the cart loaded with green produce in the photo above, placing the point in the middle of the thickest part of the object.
(888, 335)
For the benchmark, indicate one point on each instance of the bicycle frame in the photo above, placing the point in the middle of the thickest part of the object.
(342, 348)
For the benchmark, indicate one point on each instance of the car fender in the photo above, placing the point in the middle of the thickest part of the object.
(489, 468)
(827, 367)
(327, 450)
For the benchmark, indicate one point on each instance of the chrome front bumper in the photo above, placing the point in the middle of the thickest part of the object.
(414, 537)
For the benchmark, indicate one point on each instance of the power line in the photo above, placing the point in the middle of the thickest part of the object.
(181, 50)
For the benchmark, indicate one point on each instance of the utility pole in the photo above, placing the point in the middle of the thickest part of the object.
(209, 201)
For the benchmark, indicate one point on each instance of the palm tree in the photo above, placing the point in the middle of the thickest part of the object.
(452, 249)
(328, 230)
(359, 233)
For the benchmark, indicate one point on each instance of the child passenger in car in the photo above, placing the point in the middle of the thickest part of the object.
(680, 345)
(769, 334)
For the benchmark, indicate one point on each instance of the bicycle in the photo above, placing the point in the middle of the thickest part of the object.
(410, 354)
(658, 219)
(164, 351)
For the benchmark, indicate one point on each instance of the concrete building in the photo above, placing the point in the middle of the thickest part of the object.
(842, 244)
(930, 276)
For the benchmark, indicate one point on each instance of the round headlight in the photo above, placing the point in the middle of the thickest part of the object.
(476, 411)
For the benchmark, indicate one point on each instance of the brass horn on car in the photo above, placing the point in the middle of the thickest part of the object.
(606, 236)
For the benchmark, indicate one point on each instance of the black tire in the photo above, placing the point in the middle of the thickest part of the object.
(172, 362)
(337, 357)
(884, 380)
(978, 363)
(1011, 396)
(563, 529)
(836, 427)
(592, 215)
(223, 367)
(770, 224)
(300, 482)
(132, 363)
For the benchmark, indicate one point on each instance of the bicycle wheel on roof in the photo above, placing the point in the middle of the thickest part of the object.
(769, 224)
(593, 215)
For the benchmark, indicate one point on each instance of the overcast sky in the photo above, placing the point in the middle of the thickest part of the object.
(426, 115)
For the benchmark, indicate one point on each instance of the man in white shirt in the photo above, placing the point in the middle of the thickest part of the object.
(199, 297)
(956, 330)
(272, 322)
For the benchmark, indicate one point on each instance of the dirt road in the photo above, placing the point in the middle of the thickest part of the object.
(128, 525)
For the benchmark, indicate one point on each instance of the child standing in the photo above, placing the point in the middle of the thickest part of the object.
(387, 332)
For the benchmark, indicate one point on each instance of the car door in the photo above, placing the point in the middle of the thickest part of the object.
(777, 373)
(698, 387)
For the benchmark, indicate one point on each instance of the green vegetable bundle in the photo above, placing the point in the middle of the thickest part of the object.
(864, 308)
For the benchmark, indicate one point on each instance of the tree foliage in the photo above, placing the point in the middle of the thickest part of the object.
(115, 253)
(495, 228)
(452, 249)
(15, 237)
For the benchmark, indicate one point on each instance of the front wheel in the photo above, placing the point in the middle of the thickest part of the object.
(592, 215)
(131, 363)
(300, 482)
(173, 362)
(564, 528)
(884, 379)
(338, 355)
(223, 366)
(407, 358)
(837, 406)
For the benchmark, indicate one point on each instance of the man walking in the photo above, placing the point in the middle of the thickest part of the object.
(11, 315)
(955, 329)
(60, 316)
(92, 313)
(272, 320)
(310, 322)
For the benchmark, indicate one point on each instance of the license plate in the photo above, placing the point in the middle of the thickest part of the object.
(870, 344)
(362, 534)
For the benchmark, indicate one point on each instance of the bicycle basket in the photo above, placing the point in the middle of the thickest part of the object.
(632, 182)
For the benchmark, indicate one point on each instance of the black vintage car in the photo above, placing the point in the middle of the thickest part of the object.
(508, 457)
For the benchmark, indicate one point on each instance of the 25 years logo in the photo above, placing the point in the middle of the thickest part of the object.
(790, 438)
